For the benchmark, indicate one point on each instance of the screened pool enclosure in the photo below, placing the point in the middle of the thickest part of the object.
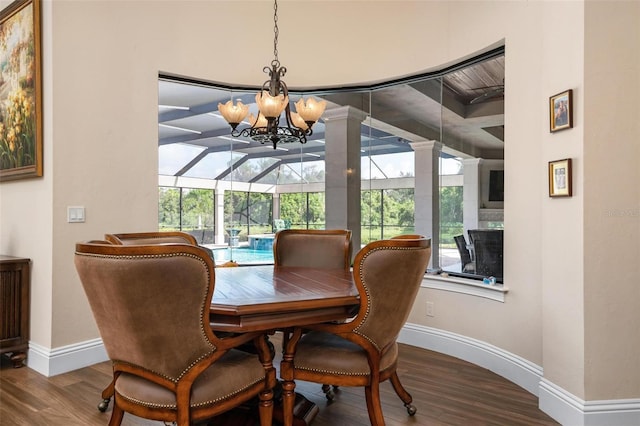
(415, 156)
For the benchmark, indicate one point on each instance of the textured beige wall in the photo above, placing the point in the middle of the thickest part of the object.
(612, 199)
(562, 218)
(101, 72)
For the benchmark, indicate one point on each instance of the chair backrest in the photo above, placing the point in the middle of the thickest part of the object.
(160, 237)
(151, 303)
(488, 247)
(461, 243)
(388, 274)
(313, 248)
(407, 237)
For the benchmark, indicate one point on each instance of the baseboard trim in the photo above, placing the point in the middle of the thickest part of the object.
(565, 408)
(568, 409)
(51, 362)
(516, 369)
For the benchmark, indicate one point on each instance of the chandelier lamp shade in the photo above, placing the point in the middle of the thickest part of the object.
(275, 123)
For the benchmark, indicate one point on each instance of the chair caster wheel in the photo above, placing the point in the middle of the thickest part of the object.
(104, 404)
(412, 410)
(328, 392)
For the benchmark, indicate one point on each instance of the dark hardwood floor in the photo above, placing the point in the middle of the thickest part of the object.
(446, 391)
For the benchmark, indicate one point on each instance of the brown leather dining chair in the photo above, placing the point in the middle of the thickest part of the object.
(155, 237)
(159, 237)
(313, 248)
(151, 306)
(142, 238)
(363, 351)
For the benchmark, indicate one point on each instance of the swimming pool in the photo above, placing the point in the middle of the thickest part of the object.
(242, 255)
(261, 241)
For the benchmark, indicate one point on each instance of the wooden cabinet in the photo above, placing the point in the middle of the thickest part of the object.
(14, 308)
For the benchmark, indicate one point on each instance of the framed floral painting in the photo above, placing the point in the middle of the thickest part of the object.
(20, 91)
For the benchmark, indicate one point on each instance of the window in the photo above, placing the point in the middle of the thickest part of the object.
(387, 213)
(189, 210)
(250, 212)
(461, 108)
(303, 209)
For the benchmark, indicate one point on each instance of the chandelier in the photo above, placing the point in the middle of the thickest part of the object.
(275, 122)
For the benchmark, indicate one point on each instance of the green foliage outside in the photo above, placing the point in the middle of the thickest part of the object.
(249, 212)
(303, 209)
(450, 215)
(197, 209)
(169, 209)
(385, 213)
(196, 212)
(373, 233)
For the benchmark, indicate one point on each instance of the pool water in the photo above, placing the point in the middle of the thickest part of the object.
(242, 255)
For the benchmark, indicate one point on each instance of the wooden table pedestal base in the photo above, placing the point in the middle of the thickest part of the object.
(304, 411)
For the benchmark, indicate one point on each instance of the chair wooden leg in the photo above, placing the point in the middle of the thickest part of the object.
(116, 415)
(107, 394)
(287, 375)
(266, 351)
(403, 394)
(372, 394)
(265, 409)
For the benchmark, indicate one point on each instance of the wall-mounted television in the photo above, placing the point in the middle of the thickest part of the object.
(496, 185)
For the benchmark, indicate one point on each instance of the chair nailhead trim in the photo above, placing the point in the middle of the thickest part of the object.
(202, 404)
(323, 371)
(366, 290)
(202, 304)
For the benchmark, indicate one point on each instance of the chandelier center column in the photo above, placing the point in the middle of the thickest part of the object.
(342, 170)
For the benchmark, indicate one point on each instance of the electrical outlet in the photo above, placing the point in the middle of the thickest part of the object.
(430, 311)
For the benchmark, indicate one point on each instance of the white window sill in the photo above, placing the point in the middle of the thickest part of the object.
(465, 286)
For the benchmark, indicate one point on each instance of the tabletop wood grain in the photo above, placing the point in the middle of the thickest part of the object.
(265, 297)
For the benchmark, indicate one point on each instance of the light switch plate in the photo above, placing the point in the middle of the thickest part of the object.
(75, 214)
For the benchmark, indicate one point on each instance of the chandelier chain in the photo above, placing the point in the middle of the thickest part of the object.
(273, 101)
(275, 31)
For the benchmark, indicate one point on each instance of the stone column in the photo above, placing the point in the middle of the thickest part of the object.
(427, 194)
(471, 194)
(342, 170)
(218, 211)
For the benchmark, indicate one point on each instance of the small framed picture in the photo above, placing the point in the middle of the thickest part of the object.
(561, 111)
(560, 178)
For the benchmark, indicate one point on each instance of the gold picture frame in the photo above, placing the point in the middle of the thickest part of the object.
(560, 181)
(561, 111)
(20, 91)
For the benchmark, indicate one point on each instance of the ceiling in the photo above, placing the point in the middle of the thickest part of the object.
(469, 121)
